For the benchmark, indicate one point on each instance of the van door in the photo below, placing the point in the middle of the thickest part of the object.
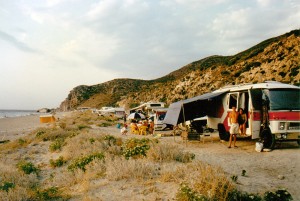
(255, 106)
(243, 103)
(232, 101)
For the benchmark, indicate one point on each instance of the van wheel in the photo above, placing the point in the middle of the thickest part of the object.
(223, 134)
(268, 139)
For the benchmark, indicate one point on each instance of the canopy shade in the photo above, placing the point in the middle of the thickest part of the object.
(199, 106)
(136, 115)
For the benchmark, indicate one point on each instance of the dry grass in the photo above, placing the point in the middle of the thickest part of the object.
(164, 164)
(22, 182)
(119, 168)
(209, 181)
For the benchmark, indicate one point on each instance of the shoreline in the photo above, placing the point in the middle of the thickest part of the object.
(15, 127)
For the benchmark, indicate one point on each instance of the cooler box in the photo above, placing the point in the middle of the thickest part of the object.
(47, 119)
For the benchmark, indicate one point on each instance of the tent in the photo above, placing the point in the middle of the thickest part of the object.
(47, 119)
(207, 104)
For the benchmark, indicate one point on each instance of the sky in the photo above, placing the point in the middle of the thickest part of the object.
(48, 47)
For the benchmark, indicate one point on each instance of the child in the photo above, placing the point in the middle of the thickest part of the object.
(124, 129)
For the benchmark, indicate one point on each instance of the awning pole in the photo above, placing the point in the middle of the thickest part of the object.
(186, 138)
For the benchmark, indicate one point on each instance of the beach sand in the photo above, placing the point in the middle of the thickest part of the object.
(278, 169)
(15, 127)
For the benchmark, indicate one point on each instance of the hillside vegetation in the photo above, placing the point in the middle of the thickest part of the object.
(276, 59)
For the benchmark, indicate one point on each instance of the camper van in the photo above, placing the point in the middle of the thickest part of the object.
(272, 110)
(147, 108)
(157, 116)
(112, 111)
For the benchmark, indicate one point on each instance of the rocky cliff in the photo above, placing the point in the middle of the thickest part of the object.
(275, 59)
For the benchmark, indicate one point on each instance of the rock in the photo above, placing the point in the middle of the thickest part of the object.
(43, 110)
(281, 177)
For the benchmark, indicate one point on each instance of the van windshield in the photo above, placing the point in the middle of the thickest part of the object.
(284, 99)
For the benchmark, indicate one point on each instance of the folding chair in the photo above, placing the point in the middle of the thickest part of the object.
(143, 130)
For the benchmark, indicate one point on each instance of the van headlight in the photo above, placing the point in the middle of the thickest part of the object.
(281, 125)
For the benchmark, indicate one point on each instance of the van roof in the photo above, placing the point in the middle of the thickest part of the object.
(264, 85)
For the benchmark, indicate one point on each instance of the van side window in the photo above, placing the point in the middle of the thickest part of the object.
(233, 100)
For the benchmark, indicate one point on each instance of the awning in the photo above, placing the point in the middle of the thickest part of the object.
(199, 106)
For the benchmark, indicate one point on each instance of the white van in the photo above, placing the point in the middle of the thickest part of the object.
(272, 109)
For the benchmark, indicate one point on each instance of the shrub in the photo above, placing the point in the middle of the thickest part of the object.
(40, 132)
(279, 195)
(135, 147)
(22, 141)
(6, 186)
(225, 72)
(58, 162)
(56, 145)
(294, 71)
(104, 124)
(92, 140)
(186, 193)
(80, 163)
(238, 195)
(27, 167)
(282, 74)
(110, 139)
(51, 193)
(81, 126)
(54, 133)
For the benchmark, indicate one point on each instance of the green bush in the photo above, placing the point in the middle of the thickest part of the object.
(282, 74)
(104, 124)
(225, 72)
(279, 195)
(110, 139)
(6, 186)
(294, 71)
(40, 132)
(80, 127)
(135, 147)
(92, 140)
(238, 195)
(80, 163)
(21, 141)
(58, 162)
(188, 194)
(56, 145)
(51, 193)
(27, 167)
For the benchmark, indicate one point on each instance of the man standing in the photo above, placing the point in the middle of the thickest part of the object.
(234, 126)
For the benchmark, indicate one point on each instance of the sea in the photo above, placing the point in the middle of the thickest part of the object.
(16, 113)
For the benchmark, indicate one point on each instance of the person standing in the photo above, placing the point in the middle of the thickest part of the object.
(151, 127)
(124, 130)
(242, 120)
(234, 126)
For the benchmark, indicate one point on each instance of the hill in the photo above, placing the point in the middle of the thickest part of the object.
(275, 59)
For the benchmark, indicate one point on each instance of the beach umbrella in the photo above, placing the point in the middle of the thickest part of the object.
(136, 115)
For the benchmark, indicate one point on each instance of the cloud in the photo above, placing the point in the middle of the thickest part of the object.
(16, 43)
(90, 42)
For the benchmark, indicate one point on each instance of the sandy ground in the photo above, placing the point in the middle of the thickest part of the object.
(16, 127)
(278, 169)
